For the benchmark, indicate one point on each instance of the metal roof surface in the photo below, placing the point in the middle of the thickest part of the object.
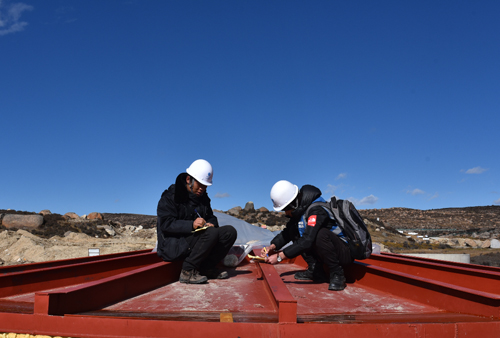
(136, 294)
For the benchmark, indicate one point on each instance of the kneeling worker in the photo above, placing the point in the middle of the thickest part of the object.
(315, 236)
(187, 228)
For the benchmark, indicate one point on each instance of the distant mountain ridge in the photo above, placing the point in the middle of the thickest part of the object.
(480, 221)
(484, 220)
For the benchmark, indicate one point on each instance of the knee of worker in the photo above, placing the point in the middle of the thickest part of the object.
(228, 233)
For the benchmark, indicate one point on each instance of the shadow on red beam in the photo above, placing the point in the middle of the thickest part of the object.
(53, 277)
(96, 295)
(444, 296)
(465, 276)
(62, 262)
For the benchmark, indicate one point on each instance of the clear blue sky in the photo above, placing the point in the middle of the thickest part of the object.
(386, 103)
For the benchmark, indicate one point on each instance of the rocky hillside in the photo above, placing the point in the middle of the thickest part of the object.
(482, 222)
(32, 237)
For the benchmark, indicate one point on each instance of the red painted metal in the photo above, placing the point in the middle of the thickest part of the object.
(110, 290)
(137, 295)
(70, 273)
(287, 305)
(459, 274)
(50, 264)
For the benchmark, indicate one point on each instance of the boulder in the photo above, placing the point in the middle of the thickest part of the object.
(71, 215)
(26, 250)
(470, 242)
(234, 211)
(95, 215)
(45, 212)
(479, 243)
(110, 230)
(495, 244)
(22, 221)
(486, 244)
(263, 209)
(249, 207)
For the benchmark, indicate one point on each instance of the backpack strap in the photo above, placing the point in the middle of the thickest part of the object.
(333, 214)
(344, 206)
(334, 209)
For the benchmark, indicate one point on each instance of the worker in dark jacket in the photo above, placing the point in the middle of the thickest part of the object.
(314, 234)
(187, 228)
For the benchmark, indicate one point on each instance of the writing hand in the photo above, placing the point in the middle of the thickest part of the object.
(273, 259)
(265, 251)
(199, 223)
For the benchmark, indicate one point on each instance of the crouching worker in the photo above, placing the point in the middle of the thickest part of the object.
(314, 235)
(187, 228)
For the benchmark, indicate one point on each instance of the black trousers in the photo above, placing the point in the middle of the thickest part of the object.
(329, 249)
(209, 247)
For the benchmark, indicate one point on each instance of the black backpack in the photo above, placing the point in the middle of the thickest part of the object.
(352, 225)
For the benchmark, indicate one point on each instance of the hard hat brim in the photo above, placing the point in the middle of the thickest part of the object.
(199, 180)
(290, 201)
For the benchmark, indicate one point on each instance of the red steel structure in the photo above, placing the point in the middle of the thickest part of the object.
(135, 294)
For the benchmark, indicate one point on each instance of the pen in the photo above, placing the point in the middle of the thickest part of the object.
(200, 216)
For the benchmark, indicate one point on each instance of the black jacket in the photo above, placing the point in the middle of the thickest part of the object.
(308, 194)
(177, 209)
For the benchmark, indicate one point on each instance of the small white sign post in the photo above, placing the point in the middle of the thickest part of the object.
(94, 252)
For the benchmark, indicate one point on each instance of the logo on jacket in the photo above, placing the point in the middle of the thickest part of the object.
(311, 221)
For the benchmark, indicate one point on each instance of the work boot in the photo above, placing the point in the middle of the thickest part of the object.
(314, 272)
(192, 277)
(337, 281)
(304, 275)
(215, 274)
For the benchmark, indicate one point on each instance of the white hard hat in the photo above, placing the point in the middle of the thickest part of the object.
(202, 171)
(282, 194)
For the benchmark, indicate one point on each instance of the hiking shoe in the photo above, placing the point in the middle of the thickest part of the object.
(192, 277)
(304, 275)
(337, 281)
(215, 274)
(314, 273)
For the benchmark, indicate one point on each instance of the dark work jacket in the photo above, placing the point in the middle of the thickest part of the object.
(177, 209)
(308, 194)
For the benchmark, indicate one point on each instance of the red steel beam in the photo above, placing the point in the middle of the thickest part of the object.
(463, 276)
(379, 330)
(444, 296)
(287, 305)
(53, 310)
(98, 294)
(431, 260)
(48, 278)
(107, 327)
(62, 262)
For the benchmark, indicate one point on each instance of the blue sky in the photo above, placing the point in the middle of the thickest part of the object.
(386, 103)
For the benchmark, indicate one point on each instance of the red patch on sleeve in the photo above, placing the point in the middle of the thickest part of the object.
(311, 221)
